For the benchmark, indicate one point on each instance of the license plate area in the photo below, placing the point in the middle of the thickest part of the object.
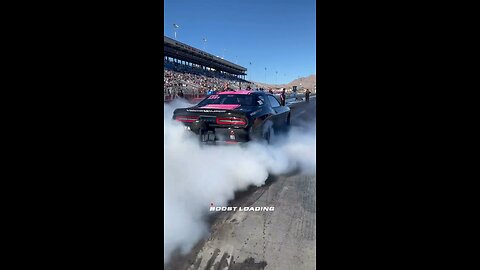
(209, 119)
(207, 135)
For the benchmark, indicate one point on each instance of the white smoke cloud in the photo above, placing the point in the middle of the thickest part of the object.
(196, 176)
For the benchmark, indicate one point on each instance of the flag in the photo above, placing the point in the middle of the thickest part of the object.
(176, 25)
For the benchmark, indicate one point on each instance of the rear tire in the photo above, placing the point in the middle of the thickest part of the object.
(267, 132)
(270, 135)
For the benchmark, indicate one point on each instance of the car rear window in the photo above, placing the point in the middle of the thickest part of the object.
(244, 100)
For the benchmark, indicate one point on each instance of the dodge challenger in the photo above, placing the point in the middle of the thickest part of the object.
(234, 117)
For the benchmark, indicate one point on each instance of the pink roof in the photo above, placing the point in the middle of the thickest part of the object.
(239, 92)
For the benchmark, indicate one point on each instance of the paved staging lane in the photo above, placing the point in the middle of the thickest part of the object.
(282, 239)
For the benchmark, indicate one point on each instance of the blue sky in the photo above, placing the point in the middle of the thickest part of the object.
(276, 34)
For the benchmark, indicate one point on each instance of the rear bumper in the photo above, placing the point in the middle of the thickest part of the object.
(231, 135)
(224, 136)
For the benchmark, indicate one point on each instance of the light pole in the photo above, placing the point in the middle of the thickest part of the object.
(175, 26)
(224, 50)
(251, 74)
(204, 44)
(276, 75)
(236, 59)
(265, 75)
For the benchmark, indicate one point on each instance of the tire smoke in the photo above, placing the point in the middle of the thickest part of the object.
(196, 176)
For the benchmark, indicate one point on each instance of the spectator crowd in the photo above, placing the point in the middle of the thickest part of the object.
(193, 81)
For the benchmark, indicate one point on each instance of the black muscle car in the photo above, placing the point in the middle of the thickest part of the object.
(235, 116)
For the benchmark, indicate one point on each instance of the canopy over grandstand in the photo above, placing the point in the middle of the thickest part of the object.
(179, 52)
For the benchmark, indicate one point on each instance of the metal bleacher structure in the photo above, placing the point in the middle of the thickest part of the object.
(188, 58)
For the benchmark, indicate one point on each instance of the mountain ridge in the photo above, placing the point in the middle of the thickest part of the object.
(305, 82)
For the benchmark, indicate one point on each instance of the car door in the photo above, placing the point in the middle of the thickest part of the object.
(280, 116)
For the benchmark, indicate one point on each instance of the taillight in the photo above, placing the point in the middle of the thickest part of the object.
(186, 118)
(236, 121)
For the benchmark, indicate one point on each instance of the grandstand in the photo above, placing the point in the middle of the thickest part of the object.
(193, 72)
